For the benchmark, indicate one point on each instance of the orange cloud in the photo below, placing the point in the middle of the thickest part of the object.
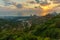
(47, 8)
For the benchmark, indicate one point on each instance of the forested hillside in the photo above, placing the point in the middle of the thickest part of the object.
(47, 28)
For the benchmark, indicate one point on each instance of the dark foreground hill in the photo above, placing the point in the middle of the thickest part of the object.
(39, 28)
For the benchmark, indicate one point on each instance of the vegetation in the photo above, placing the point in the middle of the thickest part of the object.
(39, 29)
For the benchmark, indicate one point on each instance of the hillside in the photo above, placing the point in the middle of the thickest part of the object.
(42, 28)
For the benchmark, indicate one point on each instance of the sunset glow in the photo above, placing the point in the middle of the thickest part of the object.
(47, 8)
(28, 7)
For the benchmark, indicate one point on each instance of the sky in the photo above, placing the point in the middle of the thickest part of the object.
(28, 7)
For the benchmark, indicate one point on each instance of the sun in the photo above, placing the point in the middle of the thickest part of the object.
(47, 8)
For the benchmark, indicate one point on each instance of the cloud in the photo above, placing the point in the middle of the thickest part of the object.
(37, 1)
(4, 11)
(31, 2)
(55, 1)
(19, 5)
(33, 7)
(9, 2)
(42, 2)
